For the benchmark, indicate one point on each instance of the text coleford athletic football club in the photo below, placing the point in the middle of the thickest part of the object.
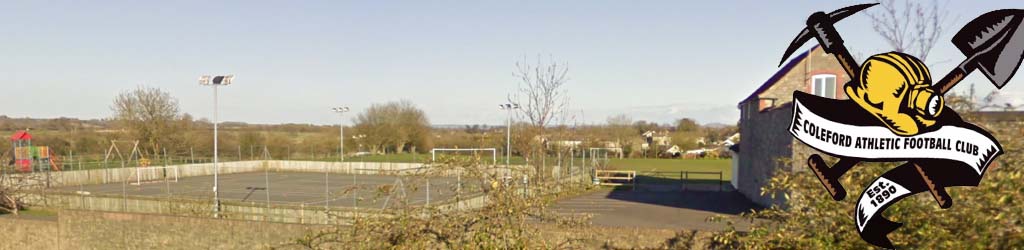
(883, 143)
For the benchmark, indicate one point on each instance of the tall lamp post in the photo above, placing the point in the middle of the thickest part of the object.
(341, 153)
(508, 128)
(341, 131)
(215, 81)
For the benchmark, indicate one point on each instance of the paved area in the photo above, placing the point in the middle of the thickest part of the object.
(665, 207)
(294, 188)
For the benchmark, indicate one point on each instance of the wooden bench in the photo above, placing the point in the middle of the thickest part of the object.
(611, 177)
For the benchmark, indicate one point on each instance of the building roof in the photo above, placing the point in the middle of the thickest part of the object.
(779, 74)
(21, 135)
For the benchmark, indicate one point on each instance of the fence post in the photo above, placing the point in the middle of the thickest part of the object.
(633, 179)
(355, 192)
(266, 179)
(687, 174)
(719, 181)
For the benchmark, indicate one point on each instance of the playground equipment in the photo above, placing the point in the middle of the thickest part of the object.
(28, 158)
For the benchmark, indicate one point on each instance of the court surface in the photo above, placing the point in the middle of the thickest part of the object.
(658, 208)
(294, 188)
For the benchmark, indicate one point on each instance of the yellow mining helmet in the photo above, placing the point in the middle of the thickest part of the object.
(896, 89)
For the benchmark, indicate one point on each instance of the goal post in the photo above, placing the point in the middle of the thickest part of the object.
(599, 156)
(494, 152)
(155, 174)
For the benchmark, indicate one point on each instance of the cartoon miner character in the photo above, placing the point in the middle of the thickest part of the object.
(896, 89)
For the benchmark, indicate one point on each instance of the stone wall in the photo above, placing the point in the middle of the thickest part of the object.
(108, 230)
(799, 77)
(766, 144)
(766, 147)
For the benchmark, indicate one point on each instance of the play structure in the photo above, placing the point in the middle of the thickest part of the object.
(28, 158)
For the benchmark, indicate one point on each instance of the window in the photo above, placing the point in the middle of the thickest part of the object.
(824, 85)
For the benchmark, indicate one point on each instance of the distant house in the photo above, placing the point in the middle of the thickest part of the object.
(674, 151)
(766, 113)
(728, 142)
(566, 143)
(656, 138)
(695, 154)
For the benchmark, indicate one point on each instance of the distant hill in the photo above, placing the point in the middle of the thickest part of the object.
(465, 126)
(63, 123)
(718, 125)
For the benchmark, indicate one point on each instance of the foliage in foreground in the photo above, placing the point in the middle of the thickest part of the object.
(990, 216)
(509, 220)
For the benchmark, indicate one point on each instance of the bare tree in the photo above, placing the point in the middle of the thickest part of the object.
(620, 127)
(149, 115)
(913, 27)
(541, 92)
(542, 97)
(15, 188)
(513, 217)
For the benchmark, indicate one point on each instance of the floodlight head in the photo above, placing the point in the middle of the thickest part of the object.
(223, 80)
(515, 106)
(340, 109)
(216, 80)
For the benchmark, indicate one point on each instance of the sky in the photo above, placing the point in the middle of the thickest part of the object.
(294, 60)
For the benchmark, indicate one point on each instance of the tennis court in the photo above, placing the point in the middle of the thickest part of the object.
(294, 188)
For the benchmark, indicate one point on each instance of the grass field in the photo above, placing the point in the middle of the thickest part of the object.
(675, 166)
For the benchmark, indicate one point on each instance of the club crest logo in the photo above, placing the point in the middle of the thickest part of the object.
(896, 113)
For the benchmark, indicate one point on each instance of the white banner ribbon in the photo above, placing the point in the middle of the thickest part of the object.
(879, 194)
(877, 142)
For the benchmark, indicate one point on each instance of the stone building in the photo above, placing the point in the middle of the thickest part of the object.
(766, 144)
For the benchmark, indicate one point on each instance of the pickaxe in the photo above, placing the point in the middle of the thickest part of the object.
(991, 43)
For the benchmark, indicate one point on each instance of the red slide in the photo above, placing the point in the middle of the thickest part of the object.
(54, 162)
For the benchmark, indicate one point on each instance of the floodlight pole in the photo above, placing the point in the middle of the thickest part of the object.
(341, 131)
(341, 154)
(215, 81)
(508, 107)
(216, 167)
